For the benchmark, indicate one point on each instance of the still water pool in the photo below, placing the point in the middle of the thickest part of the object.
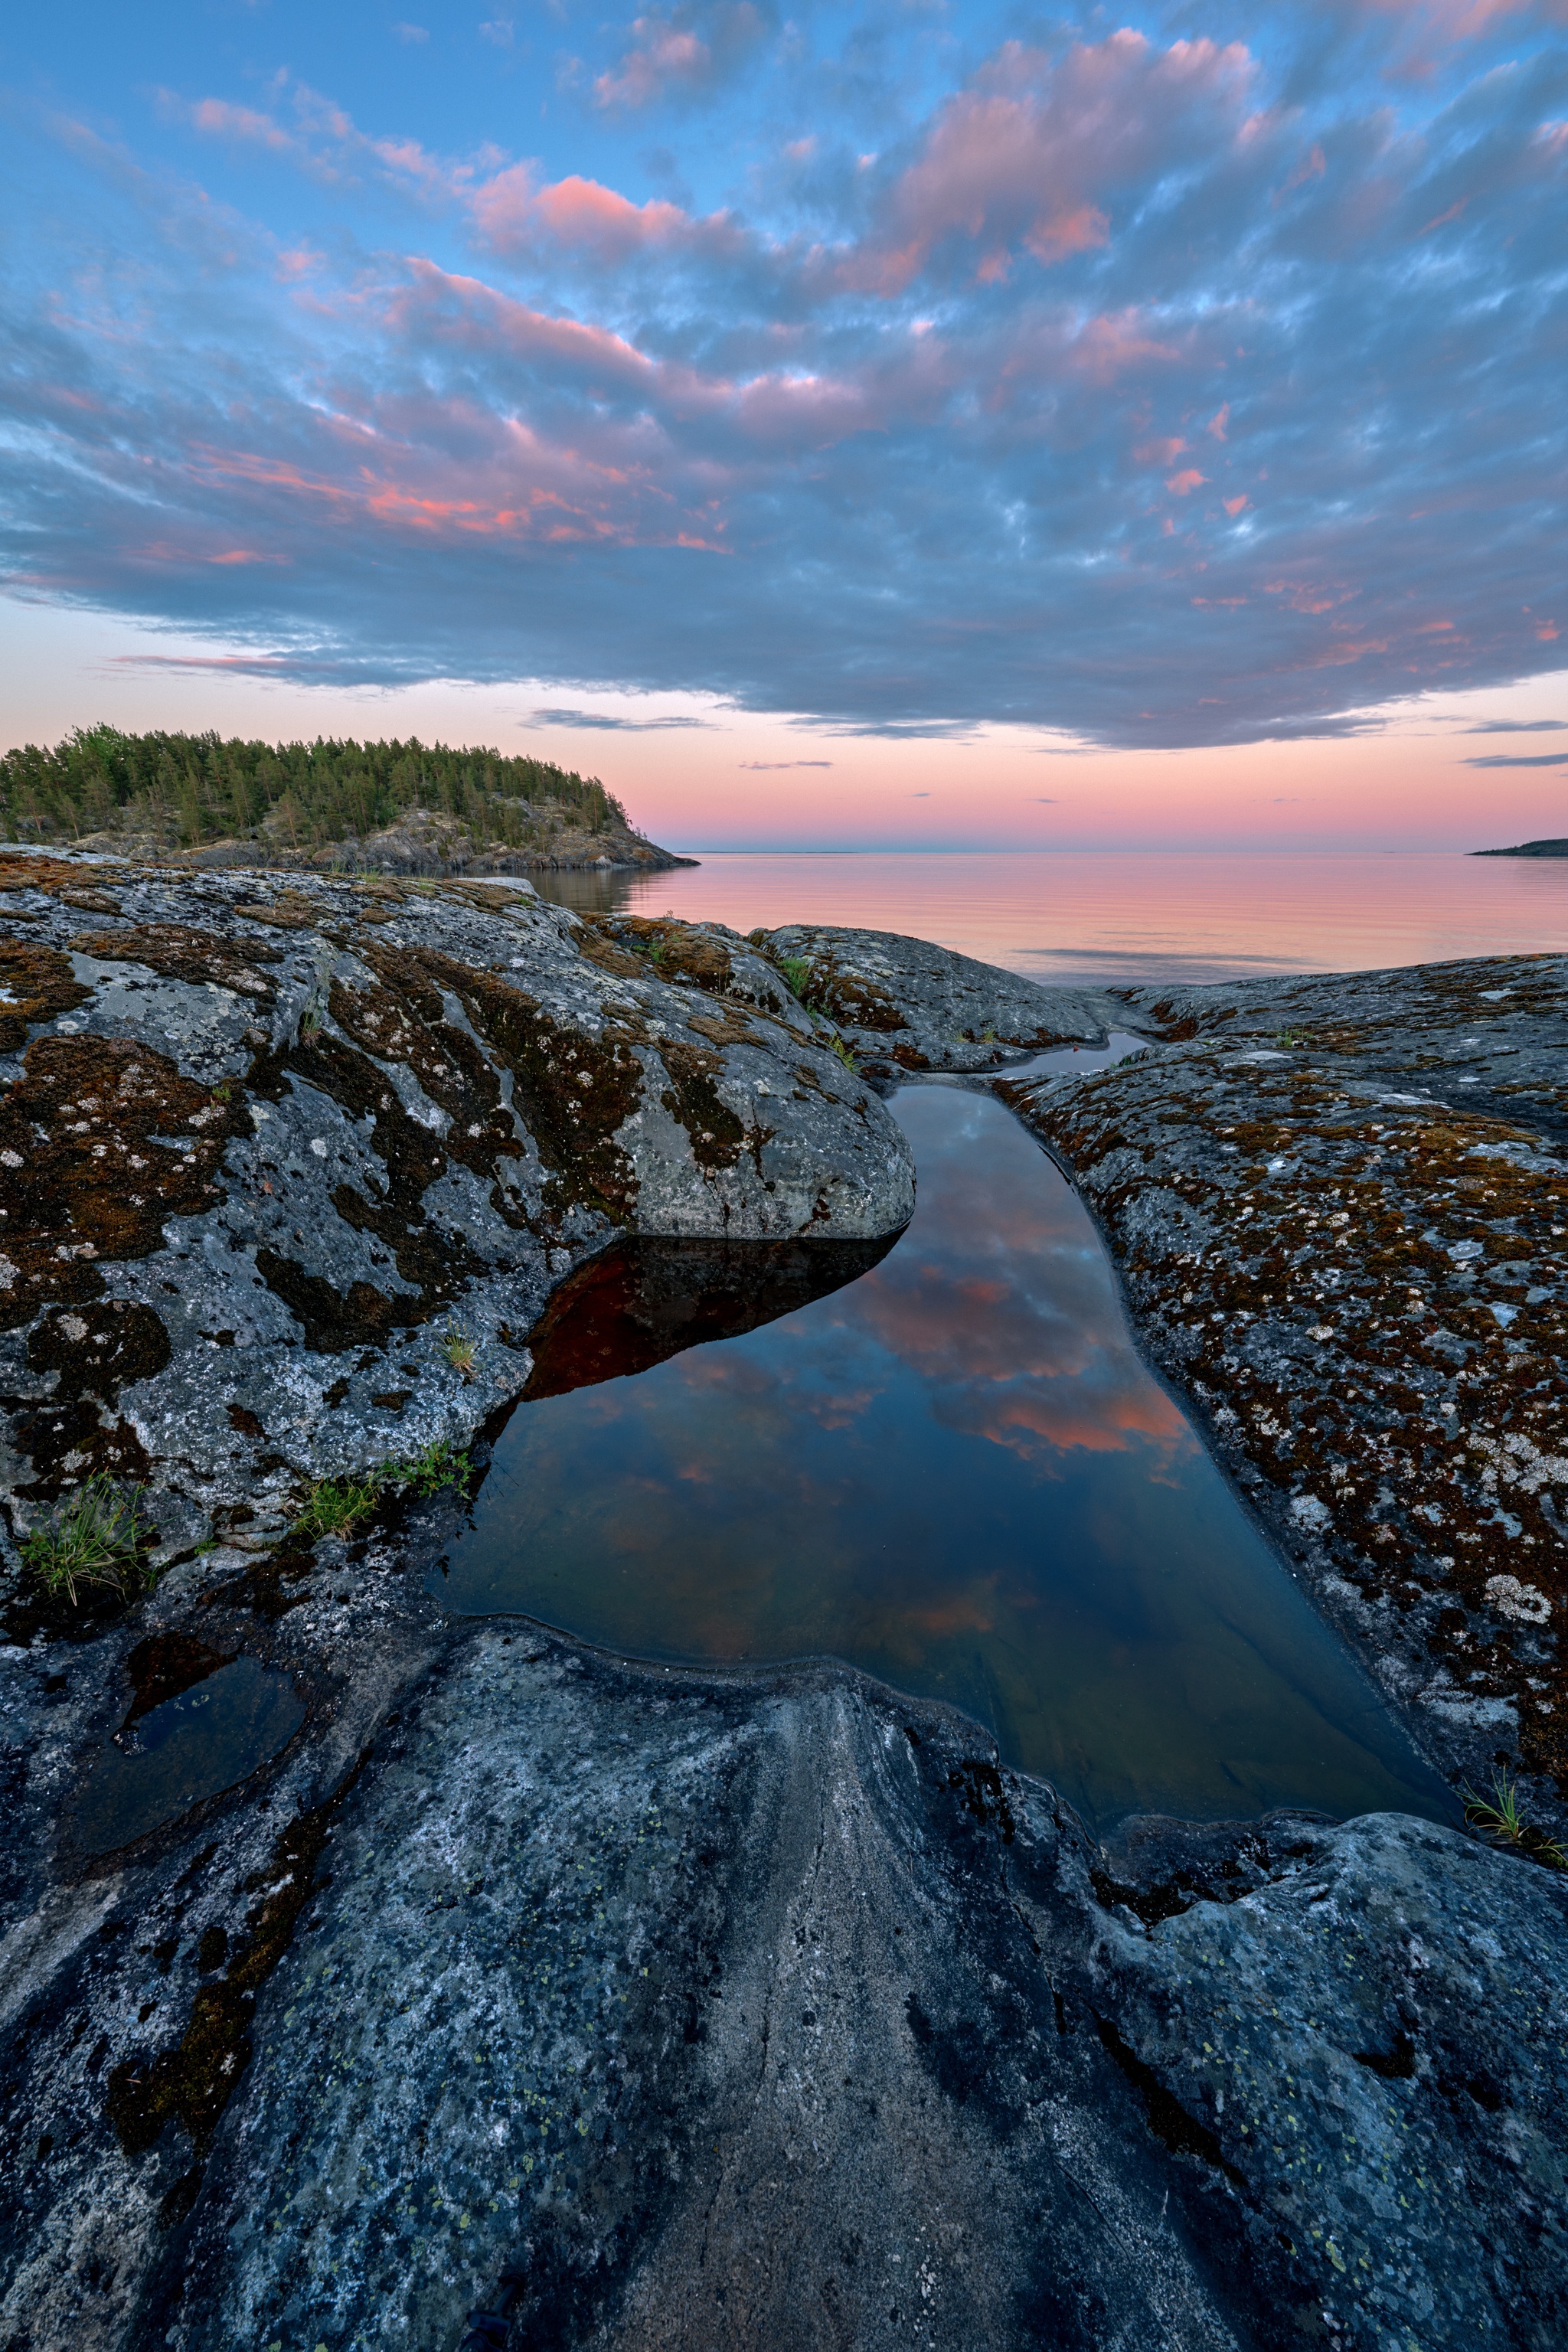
(953, 1471)
(205, 1739)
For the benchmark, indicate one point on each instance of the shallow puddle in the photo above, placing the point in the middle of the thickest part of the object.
(205, 1739)
(1075, 1060)
(955, 1472)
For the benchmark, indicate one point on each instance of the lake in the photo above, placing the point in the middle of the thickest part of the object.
(1118, 916)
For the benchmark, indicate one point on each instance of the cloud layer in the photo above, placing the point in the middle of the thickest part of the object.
(1165, 391)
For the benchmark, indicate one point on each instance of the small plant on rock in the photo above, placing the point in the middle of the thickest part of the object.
(837, 1045)
(439, 1464)
(460, 1350)
(96, 1538)
(798, 974)
(1500, 1819)
(335, 1504)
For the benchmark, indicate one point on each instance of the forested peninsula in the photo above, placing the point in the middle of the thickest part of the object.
(393, 806)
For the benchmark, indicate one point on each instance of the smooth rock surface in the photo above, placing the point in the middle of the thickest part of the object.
(906, 1005)
(766, 2013)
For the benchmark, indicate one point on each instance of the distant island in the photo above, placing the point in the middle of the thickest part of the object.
(1527, 849)
(390, 807)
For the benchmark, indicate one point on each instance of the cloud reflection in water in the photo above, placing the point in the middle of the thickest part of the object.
(956, 1473)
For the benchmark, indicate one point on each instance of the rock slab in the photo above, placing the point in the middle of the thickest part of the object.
(770, 2013)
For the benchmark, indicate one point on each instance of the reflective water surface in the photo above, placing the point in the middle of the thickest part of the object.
(205, 1738)
(953, 1471)
(1127, 915)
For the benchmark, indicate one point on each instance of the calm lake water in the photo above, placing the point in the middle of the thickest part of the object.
(1129, 915)
(955, 1473)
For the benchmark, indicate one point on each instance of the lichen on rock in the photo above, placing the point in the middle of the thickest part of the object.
(292, 1140)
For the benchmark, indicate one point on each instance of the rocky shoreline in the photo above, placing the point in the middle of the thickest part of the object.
(675, 2010)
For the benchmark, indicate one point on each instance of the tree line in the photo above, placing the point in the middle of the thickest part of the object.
(185, 789)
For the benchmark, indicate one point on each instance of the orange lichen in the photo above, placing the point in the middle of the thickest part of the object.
(87, 1173)
(37, 983)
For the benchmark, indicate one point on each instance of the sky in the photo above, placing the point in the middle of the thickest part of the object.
(865, 424)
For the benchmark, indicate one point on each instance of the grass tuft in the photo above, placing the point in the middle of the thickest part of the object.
(1499, 1818)
(836, 1045)
(439, 1464)
(333, 1506)
(95, 1539)
(458, 1350)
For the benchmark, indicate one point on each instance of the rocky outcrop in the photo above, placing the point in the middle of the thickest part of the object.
(906, 1006)
(766, 2013)
(287, 1169)
(425, 842)
(1337, 1204)
(647, 2009)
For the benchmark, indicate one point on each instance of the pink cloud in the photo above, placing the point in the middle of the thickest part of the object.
(1158, 453)
(659, 54)
(1235, 505)
(1114, 343)
(220, 120)
(1027, 158)
(668, 53)
(1186, 482)
(512, 214)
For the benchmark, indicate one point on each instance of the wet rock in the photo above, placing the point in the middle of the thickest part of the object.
(906, 1006)
(289, 1169)
(1370, 2038)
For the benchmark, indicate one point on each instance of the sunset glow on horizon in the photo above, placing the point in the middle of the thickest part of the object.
(887, 425)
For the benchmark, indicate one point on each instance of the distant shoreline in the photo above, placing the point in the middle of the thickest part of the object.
(1526, 849)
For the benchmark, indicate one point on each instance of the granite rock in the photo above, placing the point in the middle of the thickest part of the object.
(677, 2011)
(1338, 1206)
(906, 1006)
(267, 1148)
(767, 2011)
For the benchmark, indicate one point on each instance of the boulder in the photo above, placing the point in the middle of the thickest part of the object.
(289, 1167)
(906, 1006)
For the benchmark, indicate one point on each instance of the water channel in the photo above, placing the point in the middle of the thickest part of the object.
(946, 1464)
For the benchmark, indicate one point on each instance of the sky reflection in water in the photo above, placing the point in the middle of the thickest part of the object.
(957, 1474)
(203, 1741)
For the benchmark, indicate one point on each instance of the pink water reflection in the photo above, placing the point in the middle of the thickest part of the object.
(1133, 915)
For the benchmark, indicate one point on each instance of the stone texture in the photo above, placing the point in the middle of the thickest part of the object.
(748, 2011)
(765, 2011)
(1337, 1204)
(265, 1145)
(906, 1006)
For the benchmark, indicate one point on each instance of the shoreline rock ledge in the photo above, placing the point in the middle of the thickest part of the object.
(647, 2011)
(267, 1144)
